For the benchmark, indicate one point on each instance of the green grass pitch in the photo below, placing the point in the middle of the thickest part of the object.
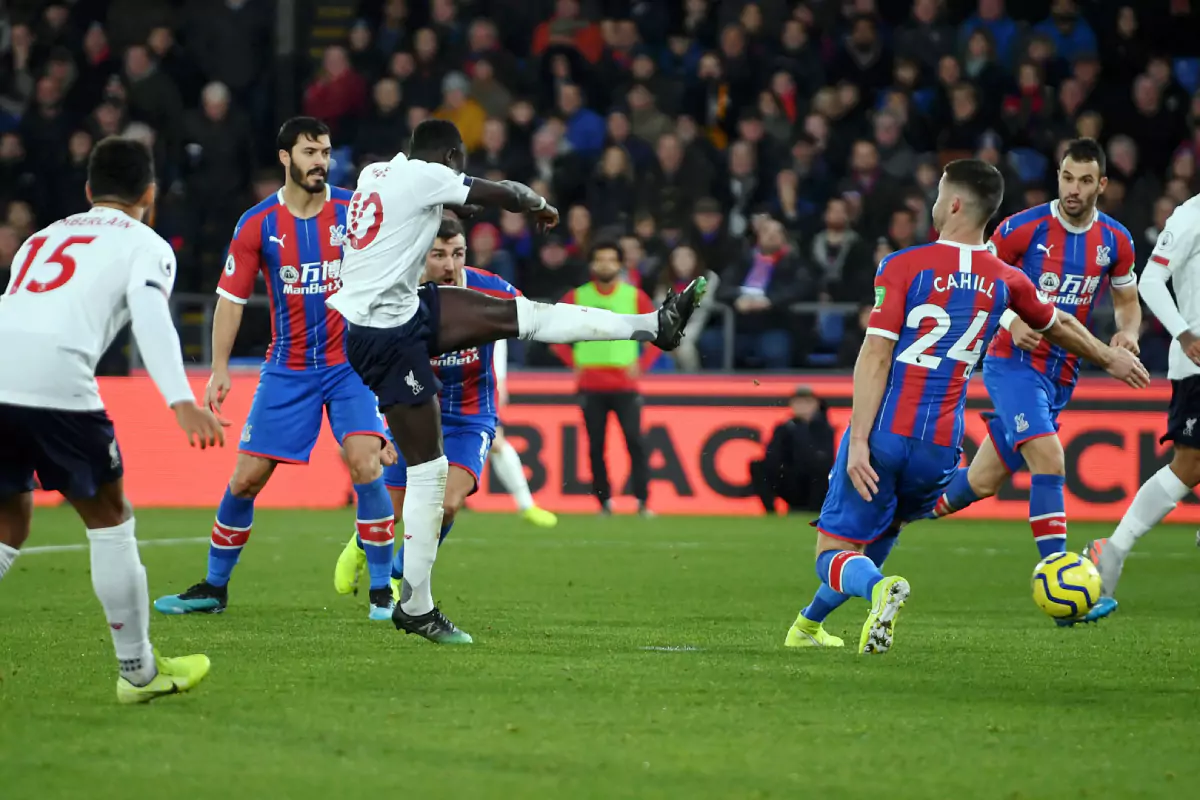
(615, 658)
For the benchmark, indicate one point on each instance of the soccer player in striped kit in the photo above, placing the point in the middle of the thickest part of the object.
(294, 240)
(1070, 250)
(468, 408)
(936, 307)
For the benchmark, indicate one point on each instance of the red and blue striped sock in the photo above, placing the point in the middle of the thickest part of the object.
(826, 600)
(376, 525)
(848, 572)
(958, 495)
(230, 532)
(398, 560)
(1047, 514)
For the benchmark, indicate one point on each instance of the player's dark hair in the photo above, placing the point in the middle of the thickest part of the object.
(605, 244)
(120, 170)
(981, 180)
(435, 136)
(1087, 149)
(450, 228)
(290, 132)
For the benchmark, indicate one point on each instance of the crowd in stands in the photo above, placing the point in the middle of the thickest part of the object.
(779, 147)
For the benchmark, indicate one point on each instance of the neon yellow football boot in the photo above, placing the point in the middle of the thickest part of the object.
(539, 517)
(887, 598)
(350, 566)
(175, 675)
(806, 633)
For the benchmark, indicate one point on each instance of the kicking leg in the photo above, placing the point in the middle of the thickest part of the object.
(230, 533)
(471, 319)
(982, 478)
(119, 580)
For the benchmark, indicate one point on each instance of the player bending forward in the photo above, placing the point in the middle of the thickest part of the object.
(1070, 250)
(74, 286)
(936, 306)
(394, 327)
(1176, 258)
(468, 410)
(294, 240)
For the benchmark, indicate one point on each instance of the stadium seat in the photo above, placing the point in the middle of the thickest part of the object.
(1030, 165)
(341, 167)
(831, 327)
(1187, 72)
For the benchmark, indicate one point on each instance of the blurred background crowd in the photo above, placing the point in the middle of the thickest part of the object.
(779, 147)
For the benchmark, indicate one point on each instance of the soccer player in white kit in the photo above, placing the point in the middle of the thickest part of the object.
(1176, 258)
(74, 286)
(394, 326)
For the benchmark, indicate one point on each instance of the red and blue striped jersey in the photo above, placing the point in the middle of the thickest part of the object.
(300, 261)
(1069, 265)
(940, 303)
(468, 377)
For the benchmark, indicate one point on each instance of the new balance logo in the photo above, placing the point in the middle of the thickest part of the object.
(1021, 423)
(411, 381)
(279, 240)
(1045, 249)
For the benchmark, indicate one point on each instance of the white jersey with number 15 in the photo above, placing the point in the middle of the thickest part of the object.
(390, 226)
(66, 302)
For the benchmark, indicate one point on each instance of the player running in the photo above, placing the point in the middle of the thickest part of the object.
(294, 240)
(468, 409)
(395, 327)
(1069, 249)
(936, 306)
(1176, 258)
(75, 285)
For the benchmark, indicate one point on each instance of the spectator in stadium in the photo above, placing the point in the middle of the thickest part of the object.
(611, 194)
(461, 109)
(566, 27)
(383, 132)
(646, 120)
(715, 247)
(607, 376)
(925, 38)
(760, 289)
(486, 254)
(799, 455)
(554, 273)
(668, 190)
(863, 59)
(496, 158)
(853, 339)
(585, 128)
(896, 158)
(841, 257)
(1069, 32)
(743, 193)
(683, 266)
(492, 95)
(338, 95)
(619, 133)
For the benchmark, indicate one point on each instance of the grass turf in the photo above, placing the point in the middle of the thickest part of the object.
(564, 695)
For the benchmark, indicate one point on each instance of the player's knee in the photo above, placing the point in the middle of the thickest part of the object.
(449, 510)
(364, 468)
(247, 484)
(1186, 465)
(1044, 456)
(825, 542)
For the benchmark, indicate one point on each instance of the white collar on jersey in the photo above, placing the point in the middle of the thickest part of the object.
(1073, 228)
(962, 246)
(328, 194)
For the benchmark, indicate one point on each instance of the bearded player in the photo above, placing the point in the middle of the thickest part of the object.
(294, 240)
(936, 306)
(1070, 250)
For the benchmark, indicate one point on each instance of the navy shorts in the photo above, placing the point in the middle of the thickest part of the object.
(72, 452)
(394, 362)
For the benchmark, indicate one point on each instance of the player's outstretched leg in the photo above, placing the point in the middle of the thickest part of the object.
(506, 465)
(230, 533)
(992, 465)
(119, 580)
(809, 630)
(472, 319)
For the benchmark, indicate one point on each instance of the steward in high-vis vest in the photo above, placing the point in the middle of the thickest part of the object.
(608, 373)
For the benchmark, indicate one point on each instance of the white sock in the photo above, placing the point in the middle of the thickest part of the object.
(1153, 501)
(120, 582)
(564, 323)
(506, 465)
(9, 554)
(422, 522)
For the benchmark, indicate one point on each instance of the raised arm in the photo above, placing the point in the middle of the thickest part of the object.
(512, 196)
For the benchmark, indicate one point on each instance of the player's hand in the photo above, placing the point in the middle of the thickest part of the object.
(388, 457)
(1126, 341)
(862, 474)
(545, 218)
(1125, 366)
(1024, 336)
(218, 388)
(202, 427)
(1191, 346)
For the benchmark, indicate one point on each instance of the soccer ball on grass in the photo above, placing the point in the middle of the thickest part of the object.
(1066, 585)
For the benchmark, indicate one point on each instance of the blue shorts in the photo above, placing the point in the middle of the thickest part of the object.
(466, 445)
(72, 452)
(285, 417)
(1027, 406)
(912, 476)
(394, 362)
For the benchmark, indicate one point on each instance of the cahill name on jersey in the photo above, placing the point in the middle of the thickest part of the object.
(300, 261)
(940, 303)
(468, 377)
(1068, 264)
